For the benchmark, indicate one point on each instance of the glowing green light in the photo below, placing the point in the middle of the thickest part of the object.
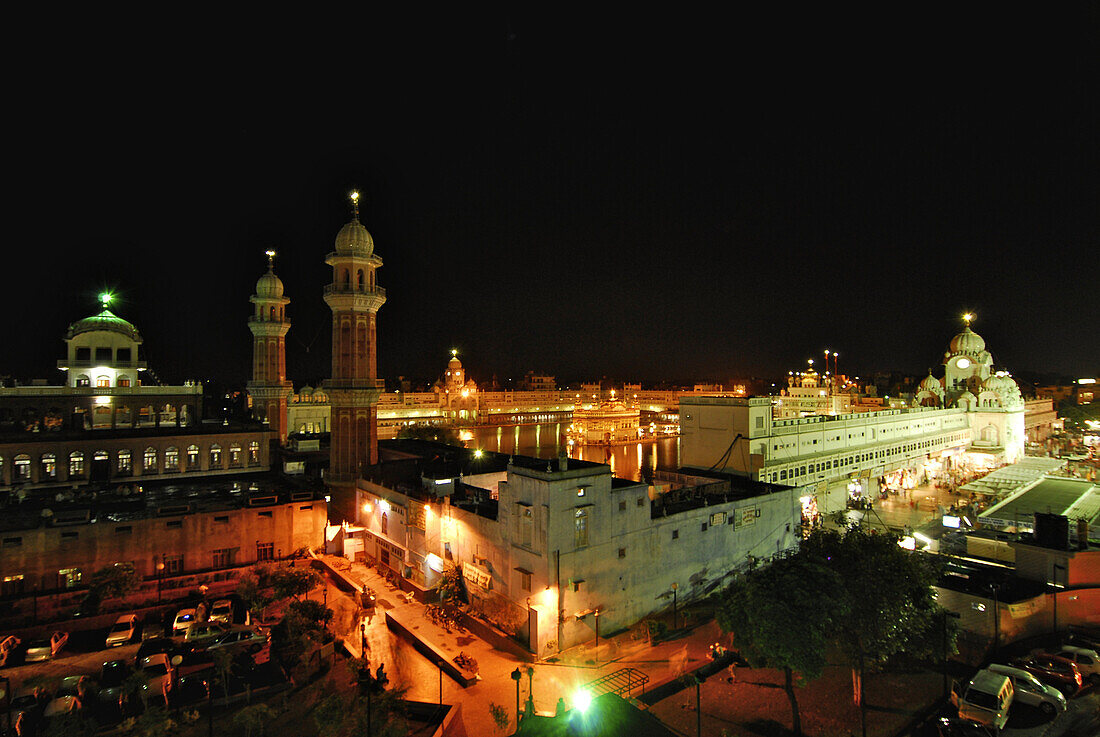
(582, 700)
(106, 298)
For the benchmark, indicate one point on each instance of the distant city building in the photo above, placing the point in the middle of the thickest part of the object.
(269, 325)
(533, 382)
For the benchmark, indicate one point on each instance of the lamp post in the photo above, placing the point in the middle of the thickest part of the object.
(996, 588)
(946, 614)
(516, 676)
(160, 575)
(1057, 567)
(597, 613)
(529, 707)
(675, 621)
(698, 705)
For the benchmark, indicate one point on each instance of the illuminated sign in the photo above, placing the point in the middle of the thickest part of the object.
(950, 521)
(477, 575)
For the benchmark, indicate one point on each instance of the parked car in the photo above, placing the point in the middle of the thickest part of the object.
(25, 706)
(122, 631)
(44, 648)
(985, 699)
(111, 677)
(948, 727)
(203, 633)
(1054, 671)
(1086, 659)
(8, 645)
(221, 611)
(184, 619)
(150, 628)
(153, 646)
(161, 673)
(61, 705)
(250, 640)
(73, 686)
(1031, 691)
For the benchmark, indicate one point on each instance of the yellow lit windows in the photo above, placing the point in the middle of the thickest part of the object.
(580, 528)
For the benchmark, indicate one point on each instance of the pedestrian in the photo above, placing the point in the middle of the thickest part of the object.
(560, 708)
(733, 672)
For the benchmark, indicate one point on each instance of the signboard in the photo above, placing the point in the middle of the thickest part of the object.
(718, 518)
(747, 516)
(477, 575)
(1025, 609)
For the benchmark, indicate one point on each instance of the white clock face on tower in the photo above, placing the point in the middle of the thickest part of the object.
(963, 363)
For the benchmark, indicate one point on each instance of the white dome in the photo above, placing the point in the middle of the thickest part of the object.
(269, 285)
(353, 239)
(967, 342)
(930, 384)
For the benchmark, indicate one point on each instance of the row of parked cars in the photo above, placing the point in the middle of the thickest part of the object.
(1043, 679)
(36, 650)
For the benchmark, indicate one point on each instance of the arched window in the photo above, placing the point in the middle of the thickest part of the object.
(83, 380)
(253, 453)
(22, 467)
(360, 279)
(125, 463)
(235, 454)
(76, 463)
(347, 278)
(49, 466)
(150, 460)
(101, 456)
(192, 457)
(272, 314)
(215, 456)
(385, 524)
(171, 459)
(103, 381)
(124, 381)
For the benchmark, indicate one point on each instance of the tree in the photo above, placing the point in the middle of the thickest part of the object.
(253, 718)
(782, 617)
(110, 582)
(291, 582)
(339, 716)
(451, 588)
(254, 588)
(889, 598)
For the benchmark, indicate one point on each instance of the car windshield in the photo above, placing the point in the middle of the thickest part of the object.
(222, 608)
(185, 617)
(38, 643)
(121, 627)
(22, 702)
(155, 669)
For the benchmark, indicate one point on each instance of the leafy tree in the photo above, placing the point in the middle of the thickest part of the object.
(292, 582)
(339, 716)
(110, 582)
(253, 718)
(782, 617)
(451, 588)
(254, 588)
(500, 716)
(888, 594)
(309, 615)
(223, 664)
(448, 435)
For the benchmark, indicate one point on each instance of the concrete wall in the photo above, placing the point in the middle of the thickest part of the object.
(38, 554)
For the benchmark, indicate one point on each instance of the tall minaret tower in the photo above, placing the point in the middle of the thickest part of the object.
(269, 325)
(354, 298)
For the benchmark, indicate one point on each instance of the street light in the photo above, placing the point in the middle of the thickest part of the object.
(160, 575)
(996, 588)
(516, 676)
(529, 707)
(675, 621)
(1057, 567)
(946, 614)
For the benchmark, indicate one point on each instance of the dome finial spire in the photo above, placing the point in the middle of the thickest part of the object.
(105, 299)
(354, 204)
(270, 253)
(968, 317)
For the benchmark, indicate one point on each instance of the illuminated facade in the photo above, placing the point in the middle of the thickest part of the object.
(269, 325)
(354, 298)
(975, 415)
(547, 546)
(605, 423)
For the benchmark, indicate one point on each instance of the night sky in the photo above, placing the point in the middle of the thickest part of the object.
(652, 198)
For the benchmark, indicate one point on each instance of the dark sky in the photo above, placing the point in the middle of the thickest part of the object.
(650, 198)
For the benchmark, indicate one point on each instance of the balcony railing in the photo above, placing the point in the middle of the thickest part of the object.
(349, 289)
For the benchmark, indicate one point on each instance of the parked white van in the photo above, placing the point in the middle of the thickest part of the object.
(985, 699)
(1031, 691)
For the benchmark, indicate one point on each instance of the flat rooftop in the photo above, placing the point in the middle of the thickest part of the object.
(189, 495)
(1074, 498)
(66, 435)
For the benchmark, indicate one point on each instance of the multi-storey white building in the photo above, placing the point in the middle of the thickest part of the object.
(546, 545)
(973, 410)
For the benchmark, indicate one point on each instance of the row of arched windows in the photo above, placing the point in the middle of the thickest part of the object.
(361, 282)
(124, 461)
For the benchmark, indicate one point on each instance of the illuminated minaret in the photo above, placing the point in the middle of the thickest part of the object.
(269, 325)
(354, 298)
